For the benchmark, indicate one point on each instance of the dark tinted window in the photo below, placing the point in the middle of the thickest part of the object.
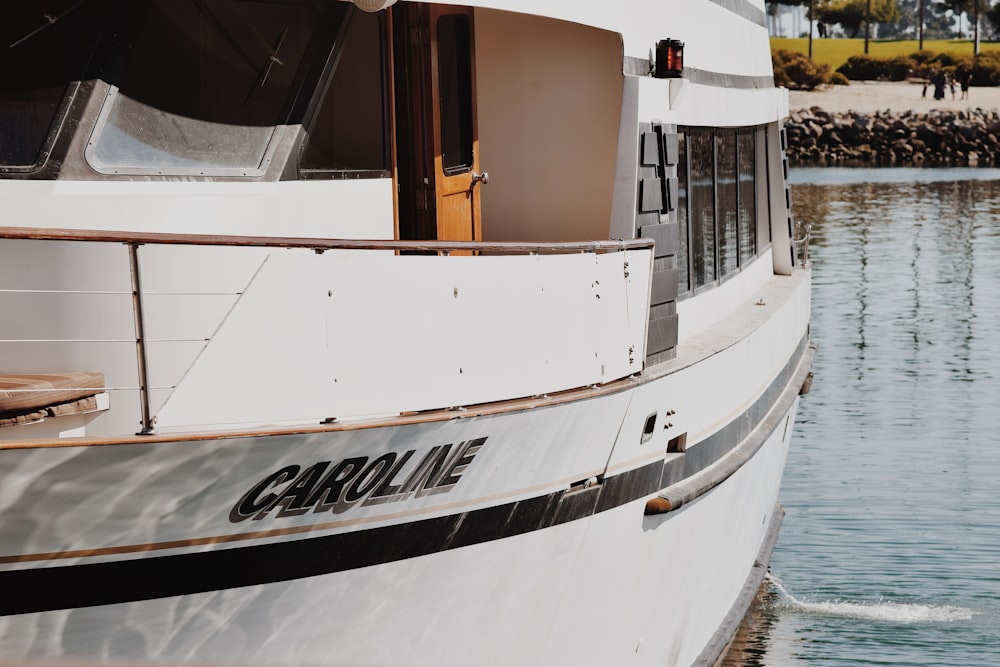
(46, 45)
(349, 131)
(682, 214)
(455, 83)
(223, 61)
(748, 196)
(701, 206)
(726, 188)
(201, 84)
(717, 204)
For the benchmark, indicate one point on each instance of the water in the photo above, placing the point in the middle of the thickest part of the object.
(890, 549)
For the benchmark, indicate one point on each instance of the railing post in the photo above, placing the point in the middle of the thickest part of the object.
(140, 339)
(801, 244)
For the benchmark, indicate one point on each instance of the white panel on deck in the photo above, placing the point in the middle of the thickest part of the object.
(349, 334)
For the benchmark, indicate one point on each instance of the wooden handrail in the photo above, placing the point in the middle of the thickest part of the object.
(141, 238)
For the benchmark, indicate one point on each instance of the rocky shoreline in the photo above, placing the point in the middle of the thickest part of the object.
(940, 137)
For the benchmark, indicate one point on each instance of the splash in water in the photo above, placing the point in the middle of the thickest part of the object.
(889, 612)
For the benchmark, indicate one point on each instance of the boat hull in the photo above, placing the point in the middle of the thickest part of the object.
(546, 571)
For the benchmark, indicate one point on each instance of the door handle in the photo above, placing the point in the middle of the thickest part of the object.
(483, 178)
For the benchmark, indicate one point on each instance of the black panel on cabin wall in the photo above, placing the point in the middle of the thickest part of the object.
(662, 329)
(670, 193)
(650, 195)
(671, 148)
(650, 150)
(655, 219)
(665, 236)
(664, 282)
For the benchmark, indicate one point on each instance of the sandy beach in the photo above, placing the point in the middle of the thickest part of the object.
(870, 96)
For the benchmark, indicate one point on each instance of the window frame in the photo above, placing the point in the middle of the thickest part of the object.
(758, 208)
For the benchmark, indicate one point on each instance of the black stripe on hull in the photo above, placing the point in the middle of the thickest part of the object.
(86, 585)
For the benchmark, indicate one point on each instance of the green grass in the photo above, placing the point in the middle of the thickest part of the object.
(835, 52)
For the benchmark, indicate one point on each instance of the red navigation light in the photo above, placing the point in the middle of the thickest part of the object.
(669, 59)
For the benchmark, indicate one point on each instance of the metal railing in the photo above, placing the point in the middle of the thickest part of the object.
(801, 242)
(133, 240)
(320, 244)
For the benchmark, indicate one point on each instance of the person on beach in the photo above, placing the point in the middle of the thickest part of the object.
(951, 85)
(937, 78)
(964, 79)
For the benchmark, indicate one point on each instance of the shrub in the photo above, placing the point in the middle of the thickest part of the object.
(839, 79)
(795, 70)
(986, 69)
(922, 57)
(899, 68)
(926, 62)
(778, 65)
(862, 68)
(871, 68)
(947, 59)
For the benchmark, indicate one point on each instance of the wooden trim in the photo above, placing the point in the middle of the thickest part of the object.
(320, 244)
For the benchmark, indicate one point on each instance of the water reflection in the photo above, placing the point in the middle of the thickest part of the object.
(752, 641)
(890, 485)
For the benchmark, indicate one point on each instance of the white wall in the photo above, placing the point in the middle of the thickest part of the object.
(549, 98)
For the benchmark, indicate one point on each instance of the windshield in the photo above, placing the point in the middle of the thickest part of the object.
(196, 86)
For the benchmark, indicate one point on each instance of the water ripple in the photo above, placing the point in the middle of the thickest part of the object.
(882, 611)
(891, 537)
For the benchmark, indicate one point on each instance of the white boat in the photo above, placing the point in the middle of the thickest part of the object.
(422, 334)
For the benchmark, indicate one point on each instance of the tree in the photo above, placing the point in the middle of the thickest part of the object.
(908, 23)
(852, 14)
(993, 17)
(937, 23)
(973, 9)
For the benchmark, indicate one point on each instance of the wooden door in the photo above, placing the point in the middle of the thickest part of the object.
(436, 134)
(457, 174)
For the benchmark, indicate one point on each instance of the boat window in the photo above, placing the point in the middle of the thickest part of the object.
(725, 147)
(716, 204)
(747, 151)
(701, 206)
(455, 82)
(201, 84)
(46, 46)
(348, 133)
(682, 214)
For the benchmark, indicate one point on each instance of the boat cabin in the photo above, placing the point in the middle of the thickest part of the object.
(296, 123)
(423, 104)
(437, 121)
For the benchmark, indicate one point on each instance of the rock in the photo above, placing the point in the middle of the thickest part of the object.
(939, 137)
